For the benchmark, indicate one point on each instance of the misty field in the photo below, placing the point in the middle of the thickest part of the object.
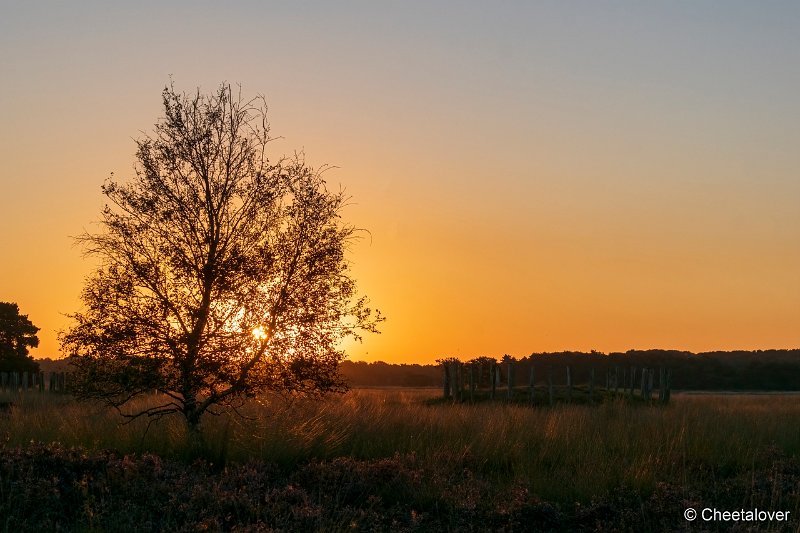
(390, 460)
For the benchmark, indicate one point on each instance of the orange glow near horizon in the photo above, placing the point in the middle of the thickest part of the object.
(552, 179)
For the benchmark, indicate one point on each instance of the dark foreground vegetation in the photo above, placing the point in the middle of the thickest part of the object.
(389, 461)
(51, 488)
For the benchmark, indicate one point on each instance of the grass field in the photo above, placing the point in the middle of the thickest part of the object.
(386, 459)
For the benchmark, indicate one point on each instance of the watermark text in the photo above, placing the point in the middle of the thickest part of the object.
(712, 514)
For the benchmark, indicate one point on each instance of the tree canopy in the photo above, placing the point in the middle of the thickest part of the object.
(17, 334)
(222, 273)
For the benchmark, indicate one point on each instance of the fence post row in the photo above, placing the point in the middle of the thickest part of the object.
(23, 382)
(457, 376)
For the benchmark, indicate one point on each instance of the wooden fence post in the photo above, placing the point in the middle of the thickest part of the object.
(632, 381)
(643, 382)
(472, 382)
(459, 384)
(550, 384)
(569, 385)
(510, 380)
(462, 381)
(445, 380)
(493, 377)
(591, 385)
(532, 385)
(645, 373)
(454, 385)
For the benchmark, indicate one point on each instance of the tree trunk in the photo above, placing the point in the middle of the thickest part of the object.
(195, 443)
(193, 421)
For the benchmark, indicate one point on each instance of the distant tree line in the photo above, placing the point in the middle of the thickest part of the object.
(380, 374)
(767, 370)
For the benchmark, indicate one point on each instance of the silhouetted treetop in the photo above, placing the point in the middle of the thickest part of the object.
(17, 334)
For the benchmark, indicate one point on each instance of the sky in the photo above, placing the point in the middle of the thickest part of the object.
(534, 176)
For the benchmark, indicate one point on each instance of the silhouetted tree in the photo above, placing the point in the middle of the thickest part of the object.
(222, 274)
(17, 334)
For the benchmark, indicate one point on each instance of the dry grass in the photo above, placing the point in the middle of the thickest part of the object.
(565, 453)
